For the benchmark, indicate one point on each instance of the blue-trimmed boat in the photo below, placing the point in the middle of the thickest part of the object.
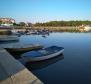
(42, 54)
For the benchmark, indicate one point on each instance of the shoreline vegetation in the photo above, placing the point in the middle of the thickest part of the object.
(55, 26)
(50, 29)
(58, 26)
(59, 29)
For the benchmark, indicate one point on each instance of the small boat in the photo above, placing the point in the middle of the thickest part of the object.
(8, 38)
(42, 54)
(23, 47)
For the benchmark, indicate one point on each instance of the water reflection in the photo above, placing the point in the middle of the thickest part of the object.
(45, 35)
(43, 64)
(75, 69)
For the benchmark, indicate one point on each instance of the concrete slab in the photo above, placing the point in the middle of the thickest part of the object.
(13, 72)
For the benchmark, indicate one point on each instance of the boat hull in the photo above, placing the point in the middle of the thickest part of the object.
(9, 38)
(23, 49)
(32, 59)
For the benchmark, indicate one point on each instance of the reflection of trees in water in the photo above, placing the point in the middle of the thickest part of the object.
(43, 64)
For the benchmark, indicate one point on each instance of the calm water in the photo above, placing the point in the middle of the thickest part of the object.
(73, 67)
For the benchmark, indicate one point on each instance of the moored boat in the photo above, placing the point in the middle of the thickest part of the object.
(42, 54)
(23, 47)
(9, 38)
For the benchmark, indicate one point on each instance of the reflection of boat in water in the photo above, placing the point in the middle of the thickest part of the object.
(45, 35)
(43, 64)
(42, 54)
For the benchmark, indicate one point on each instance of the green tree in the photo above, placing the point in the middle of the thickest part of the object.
(0, 22)
(30, 24)
(63, 23)
(22, 24)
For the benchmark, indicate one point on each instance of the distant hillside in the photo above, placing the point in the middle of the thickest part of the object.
(63, 23)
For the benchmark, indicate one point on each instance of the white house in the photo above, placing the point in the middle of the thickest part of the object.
(7, 21)
(8, 25)
(87, 28)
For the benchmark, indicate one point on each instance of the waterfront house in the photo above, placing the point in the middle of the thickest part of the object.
(84, 28)
(87, 28)
(7, 21)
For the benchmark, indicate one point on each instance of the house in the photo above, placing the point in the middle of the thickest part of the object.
(84, 28)
(87, 28)
(7, 21)
(8, 25)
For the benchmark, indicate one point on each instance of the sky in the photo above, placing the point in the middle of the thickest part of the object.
(45, 10)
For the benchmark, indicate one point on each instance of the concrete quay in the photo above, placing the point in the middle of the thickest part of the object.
(13, 72)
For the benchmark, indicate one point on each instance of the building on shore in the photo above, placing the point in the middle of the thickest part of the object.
(84, 28)
(87, 28)
(7, 21)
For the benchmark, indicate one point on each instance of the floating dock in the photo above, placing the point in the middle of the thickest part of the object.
(13, 72)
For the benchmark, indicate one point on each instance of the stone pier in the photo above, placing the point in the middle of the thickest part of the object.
(13, 72)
